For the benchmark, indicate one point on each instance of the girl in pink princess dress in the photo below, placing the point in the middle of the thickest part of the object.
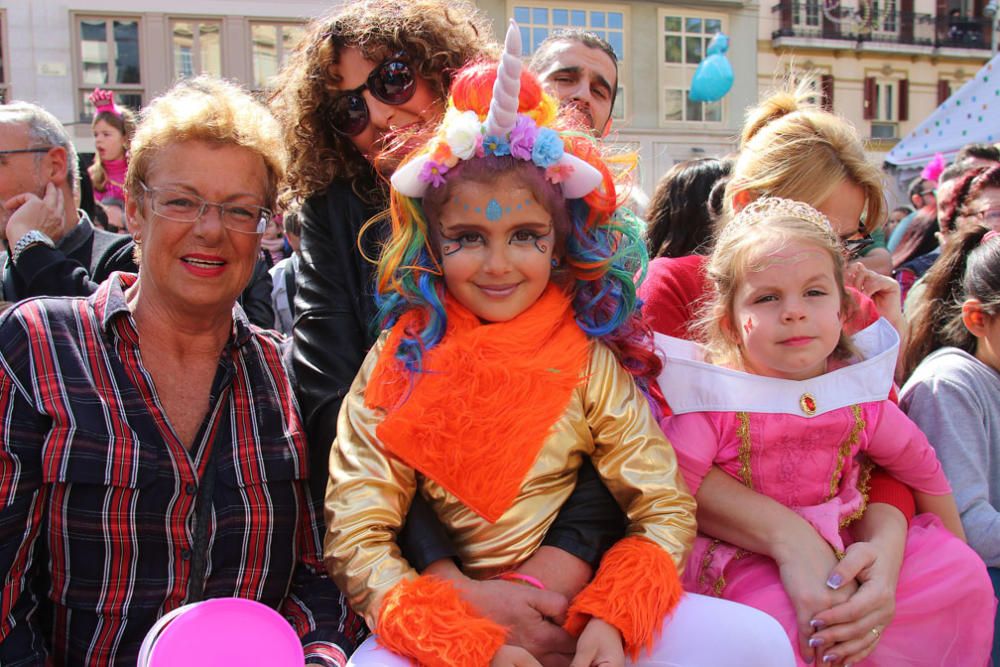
(781, 400)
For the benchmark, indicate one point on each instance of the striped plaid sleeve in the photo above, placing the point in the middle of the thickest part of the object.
(22, 499)
(330, 631)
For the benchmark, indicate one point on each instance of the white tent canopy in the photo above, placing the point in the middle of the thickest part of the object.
(970, 115)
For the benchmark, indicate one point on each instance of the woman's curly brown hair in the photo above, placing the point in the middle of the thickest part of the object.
(438, 35)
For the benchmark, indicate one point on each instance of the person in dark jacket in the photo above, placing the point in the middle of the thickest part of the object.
(360, 76)
(53, 249)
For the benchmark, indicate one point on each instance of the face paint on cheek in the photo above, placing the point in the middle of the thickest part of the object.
(748, 325)
(449, 246)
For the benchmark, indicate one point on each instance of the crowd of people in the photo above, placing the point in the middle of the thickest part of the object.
(390, 352)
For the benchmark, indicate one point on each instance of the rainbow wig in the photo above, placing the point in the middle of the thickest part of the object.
(602, 255)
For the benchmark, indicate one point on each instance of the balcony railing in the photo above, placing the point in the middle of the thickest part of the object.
(878, 22)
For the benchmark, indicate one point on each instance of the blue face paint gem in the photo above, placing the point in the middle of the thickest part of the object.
(494, 211)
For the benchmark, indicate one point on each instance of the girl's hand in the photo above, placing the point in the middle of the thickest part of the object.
(531, 616)
(846, 630)
(599, 645)
(513, 656)
(804, 568)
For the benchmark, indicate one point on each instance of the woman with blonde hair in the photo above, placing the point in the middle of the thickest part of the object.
(791, 148)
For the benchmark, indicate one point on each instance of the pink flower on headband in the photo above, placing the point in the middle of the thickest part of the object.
(522, 138)
(433, 173)
(558, 173)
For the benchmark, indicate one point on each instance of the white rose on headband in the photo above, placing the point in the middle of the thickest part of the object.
(463, 133)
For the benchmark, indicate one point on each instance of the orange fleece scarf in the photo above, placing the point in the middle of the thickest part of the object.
(489, 395)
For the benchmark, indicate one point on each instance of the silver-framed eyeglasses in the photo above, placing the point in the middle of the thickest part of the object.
(36, 149)
(184, 206)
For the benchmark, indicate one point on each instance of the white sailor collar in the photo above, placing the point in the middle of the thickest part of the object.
(690, 384)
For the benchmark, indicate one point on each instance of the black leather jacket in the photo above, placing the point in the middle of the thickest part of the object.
(335, 311)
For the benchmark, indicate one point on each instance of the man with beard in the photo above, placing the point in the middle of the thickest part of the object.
(581, 70)
(53, 249)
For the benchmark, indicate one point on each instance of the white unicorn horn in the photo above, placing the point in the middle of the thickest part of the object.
(507, 89)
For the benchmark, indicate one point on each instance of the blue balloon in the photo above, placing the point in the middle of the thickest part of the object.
(714, 76)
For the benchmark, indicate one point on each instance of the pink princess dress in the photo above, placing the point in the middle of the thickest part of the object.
(809, 445)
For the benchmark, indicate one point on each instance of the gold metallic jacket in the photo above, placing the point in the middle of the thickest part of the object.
(607, 419)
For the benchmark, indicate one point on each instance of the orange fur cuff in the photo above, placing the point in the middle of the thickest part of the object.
(635, 588)
(425, 619)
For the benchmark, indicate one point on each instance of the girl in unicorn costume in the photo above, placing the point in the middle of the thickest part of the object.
(513, 350)
(781, 400)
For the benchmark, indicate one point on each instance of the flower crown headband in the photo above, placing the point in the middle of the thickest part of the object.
(463, 136)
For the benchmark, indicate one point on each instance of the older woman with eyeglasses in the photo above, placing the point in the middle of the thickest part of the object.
(152, 454)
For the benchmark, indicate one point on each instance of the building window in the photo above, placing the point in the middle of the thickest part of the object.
(271, 44)
(677, 107)
(108, 57)
(807, 14)
(197, 47)
(539, 21)
(685, 40)
(886, 101)
(884, 19)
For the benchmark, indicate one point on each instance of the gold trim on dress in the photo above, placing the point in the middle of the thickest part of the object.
(845, 450)
(744, 451)
(864, 479)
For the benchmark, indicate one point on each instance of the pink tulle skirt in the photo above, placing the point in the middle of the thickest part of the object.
(944, 601)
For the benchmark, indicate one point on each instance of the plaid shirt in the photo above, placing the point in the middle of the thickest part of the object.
(98, 495)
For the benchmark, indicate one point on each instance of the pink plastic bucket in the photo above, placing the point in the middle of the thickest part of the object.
(222, 631)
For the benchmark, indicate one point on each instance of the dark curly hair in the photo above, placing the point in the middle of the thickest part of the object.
(438, 35)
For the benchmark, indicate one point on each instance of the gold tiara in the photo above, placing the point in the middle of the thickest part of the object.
(764, 208)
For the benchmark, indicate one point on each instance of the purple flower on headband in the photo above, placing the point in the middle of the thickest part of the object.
(433, 173)
(548, 148)
(494, 145)
(522, 138)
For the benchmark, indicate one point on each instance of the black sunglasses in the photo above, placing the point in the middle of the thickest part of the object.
(392, 82)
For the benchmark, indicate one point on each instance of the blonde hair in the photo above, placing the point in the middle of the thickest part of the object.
(791, 148)
(753, 234)
(438, 37)
(210, 110)
(124, 122)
